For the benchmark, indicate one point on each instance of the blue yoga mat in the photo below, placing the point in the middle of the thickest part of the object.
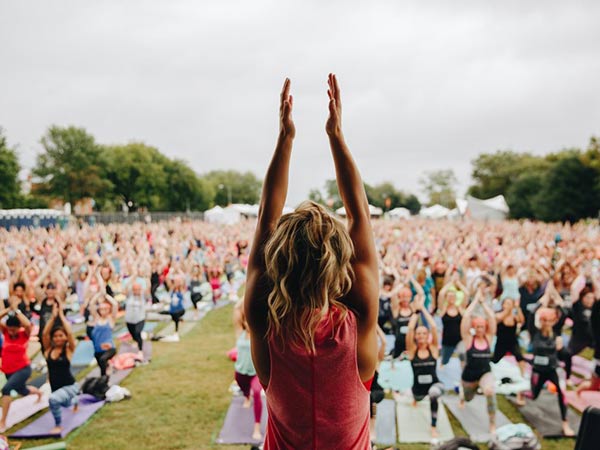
(84, 354)
(41, 427)
(450, 374)
(397, 376)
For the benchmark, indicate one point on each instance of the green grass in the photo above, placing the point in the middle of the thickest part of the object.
(179, 400)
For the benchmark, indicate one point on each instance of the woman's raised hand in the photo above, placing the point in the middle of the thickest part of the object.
(286, 124)
(333, 127)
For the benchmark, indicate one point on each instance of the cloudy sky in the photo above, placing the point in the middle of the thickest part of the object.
(424, 86)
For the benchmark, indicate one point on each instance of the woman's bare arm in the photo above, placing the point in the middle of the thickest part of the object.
(274, 193)
(363, 297)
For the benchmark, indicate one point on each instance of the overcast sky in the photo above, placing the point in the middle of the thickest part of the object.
(425, 85)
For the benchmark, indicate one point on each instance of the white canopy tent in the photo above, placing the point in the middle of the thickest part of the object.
(434, 212)
(399, 213)
(222, 216)
(494, 208)
(374, 211)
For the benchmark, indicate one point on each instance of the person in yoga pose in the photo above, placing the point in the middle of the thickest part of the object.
(400, 313)
(508, 320)
(377, 393)
(135, 314)
(451, 315)
(59, 343)
(423, 354)
(477, 372)
(545, 362)
(311, 302)
(176, 306)
(245, 374)
(15, 362)
(104, 309)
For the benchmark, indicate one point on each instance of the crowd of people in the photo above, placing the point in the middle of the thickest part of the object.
(479, 291)
(50, 278)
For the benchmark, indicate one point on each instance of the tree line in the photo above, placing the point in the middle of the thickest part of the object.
(73, 167)
(560, 186)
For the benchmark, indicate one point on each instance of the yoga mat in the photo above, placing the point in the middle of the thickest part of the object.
(582, 366)
(55, 446)
(131, 347)
(184, 328)
(505, 369)
(84, 354)
(474, 417)
(450, 374)
(239, 423)
(587, 398)
(414, 422)
(33, 347)
(543, 415)
(25, 407)
(397, 376)
(385, 423)
(41, 427)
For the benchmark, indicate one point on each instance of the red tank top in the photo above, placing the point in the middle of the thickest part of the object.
(318, 401)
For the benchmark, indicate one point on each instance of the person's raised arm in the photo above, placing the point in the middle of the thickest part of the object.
(411, 347)
(465, 323)
(363, 297)
(274, 193)
(432, 328)
(492, 324)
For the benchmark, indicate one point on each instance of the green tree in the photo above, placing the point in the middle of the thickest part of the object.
(10, 188)
(439, 186)
(493, 173)
(316, 196)
(138, 175)
(522, 193)
(71, 165)
(412, 203)
(569, 192)
(185, 190)
(241, 187)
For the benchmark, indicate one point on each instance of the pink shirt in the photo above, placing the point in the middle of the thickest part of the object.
(318, 402)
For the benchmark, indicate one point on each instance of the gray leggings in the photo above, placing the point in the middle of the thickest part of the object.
(435, 392)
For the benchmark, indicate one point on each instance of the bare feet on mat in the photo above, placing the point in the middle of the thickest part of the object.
(414, 403)
(2, 427)
(246, 403)
(567, 430)
(56, 430)
(461, 403)
(39, 396)
(434, 433)
(76, 408)
(520, 400)
(493, 429)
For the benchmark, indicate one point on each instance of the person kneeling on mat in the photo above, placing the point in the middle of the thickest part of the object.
(423, 356)
(545, 362)
(477, 371)
(60, 345)
(15, 363)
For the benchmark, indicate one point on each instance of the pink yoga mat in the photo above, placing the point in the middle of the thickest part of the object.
(587, 398)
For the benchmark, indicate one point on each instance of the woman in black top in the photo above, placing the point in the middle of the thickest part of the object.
(509, 320)
(545, 362)
(423, 356)
(477, 372)
(582, 335)
(451, 315)
(60, 346)
(400, 314)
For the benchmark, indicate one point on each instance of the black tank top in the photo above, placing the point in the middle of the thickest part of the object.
(451, 331)
(506, 334)
(400, 324)
(478, 362)
(544, 353)
(195, 289)
(424, 371)
(59, 371)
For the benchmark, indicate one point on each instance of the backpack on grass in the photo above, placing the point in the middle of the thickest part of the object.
(96, 386)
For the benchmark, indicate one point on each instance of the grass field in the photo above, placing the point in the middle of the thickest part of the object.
(180, 399)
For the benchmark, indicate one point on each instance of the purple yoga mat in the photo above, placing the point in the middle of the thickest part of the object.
(239, 423)
(41, 427)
